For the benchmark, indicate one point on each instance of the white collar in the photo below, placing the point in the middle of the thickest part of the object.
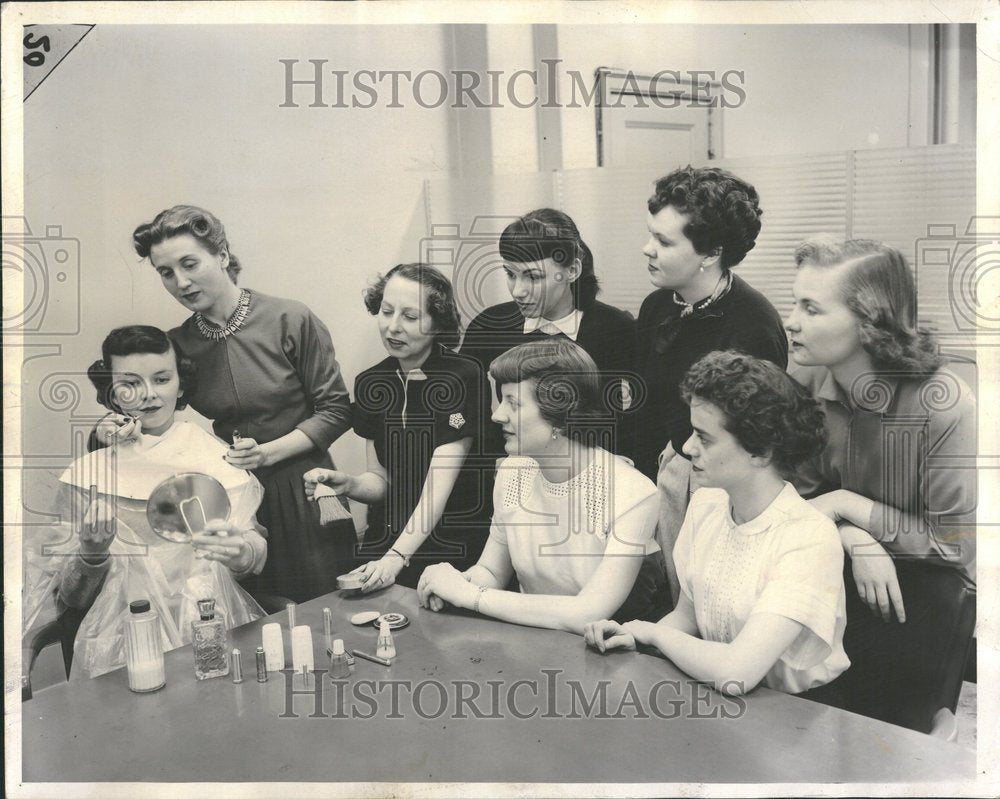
(138, 467)
(774, 513)
(569, 325)
(413, 374)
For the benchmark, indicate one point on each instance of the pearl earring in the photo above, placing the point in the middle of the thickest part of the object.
(701, 268)
(555, 433)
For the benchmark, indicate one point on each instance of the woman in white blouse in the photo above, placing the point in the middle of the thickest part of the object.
(762, 592)
(573, 522)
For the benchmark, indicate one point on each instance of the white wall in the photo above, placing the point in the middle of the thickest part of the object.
(315, 200)
(513, 130)
(809, 88)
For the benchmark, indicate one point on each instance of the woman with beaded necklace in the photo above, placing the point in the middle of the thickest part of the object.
(271, 386)
(702, 222)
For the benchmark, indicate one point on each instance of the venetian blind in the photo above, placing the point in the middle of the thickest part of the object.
(921, 201)
(896, 196)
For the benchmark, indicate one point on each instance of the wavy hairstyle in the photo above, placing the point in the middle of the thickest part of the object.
(548, 233)
(878, 287)
(765, 410)
(181, 219)
(438, 293)
(565, 378)
(723, 211)
(139, 339)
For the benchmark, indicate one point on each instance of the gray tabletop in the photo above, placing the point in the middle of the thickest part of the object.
(467, 699)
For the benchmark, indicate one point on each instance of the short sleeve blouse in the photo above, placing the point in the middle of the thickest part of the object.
(787, 561)
(558, 533)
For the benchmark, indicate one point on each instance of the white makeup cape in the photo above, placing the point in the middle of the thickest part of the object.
(142, 565)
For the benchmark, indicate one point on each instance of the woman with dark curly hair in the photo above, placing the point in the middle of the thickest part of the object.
(553, 287)
(762, 594)
(104, 553)
(572, 521)
(421, 411)
(271, 385)
(702, 222)
(889, 406)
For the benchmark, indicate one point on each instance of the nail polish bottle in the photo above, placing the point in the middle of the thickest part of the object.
(338, 662)
(210, 643)
(385, 647)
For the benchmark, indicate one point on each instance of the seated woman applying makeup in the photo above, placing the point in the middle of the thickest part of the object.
(103, 554)
(573, 522)
(762, 595)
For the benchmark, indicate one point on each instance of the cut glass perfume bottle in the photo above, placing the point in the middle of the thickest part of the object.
(210, 643)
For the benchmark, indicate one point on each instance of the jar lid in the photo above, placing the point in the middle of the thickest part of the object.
(396, 621)
(139, 606)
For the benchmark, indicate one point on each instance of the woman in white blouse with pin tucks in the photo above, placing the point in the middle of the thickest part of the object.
(572, 521)
(762, 596)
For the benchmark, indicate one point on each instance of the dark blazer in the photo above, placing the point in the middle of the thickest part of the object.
(607, 334)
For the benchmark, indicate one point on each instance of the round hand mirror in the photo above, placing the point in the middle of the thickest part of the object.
(181, 505)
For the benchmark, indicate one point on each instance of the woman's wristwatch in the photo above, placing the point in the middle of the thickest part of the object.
(479, 595)
(406, 560)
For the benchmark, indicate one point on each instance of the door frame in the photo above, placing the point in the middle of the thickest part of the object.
(611, 84)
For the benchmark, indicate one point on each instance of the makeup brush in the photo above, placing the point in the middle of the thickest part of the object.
(331, 509)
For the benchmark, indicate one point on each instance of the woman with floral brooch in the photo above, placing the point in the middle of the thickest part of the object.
(421, 411)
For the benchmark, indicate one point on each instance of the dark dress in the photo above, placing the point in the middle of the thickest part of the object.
(408, 416)
(606, 333)
(278, 373)
(669, 345)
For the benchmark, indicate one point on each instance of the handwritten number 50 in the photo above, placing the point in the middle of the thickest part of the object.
(35, 58)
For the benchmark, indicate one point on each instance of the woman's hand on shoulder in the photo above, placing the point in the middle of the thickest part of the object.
(605, 635)
(224, 542)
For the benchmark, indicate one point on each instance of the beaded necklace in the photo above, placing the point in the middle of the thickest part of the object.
(235, 322)
(668, 330)
(720, 291)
